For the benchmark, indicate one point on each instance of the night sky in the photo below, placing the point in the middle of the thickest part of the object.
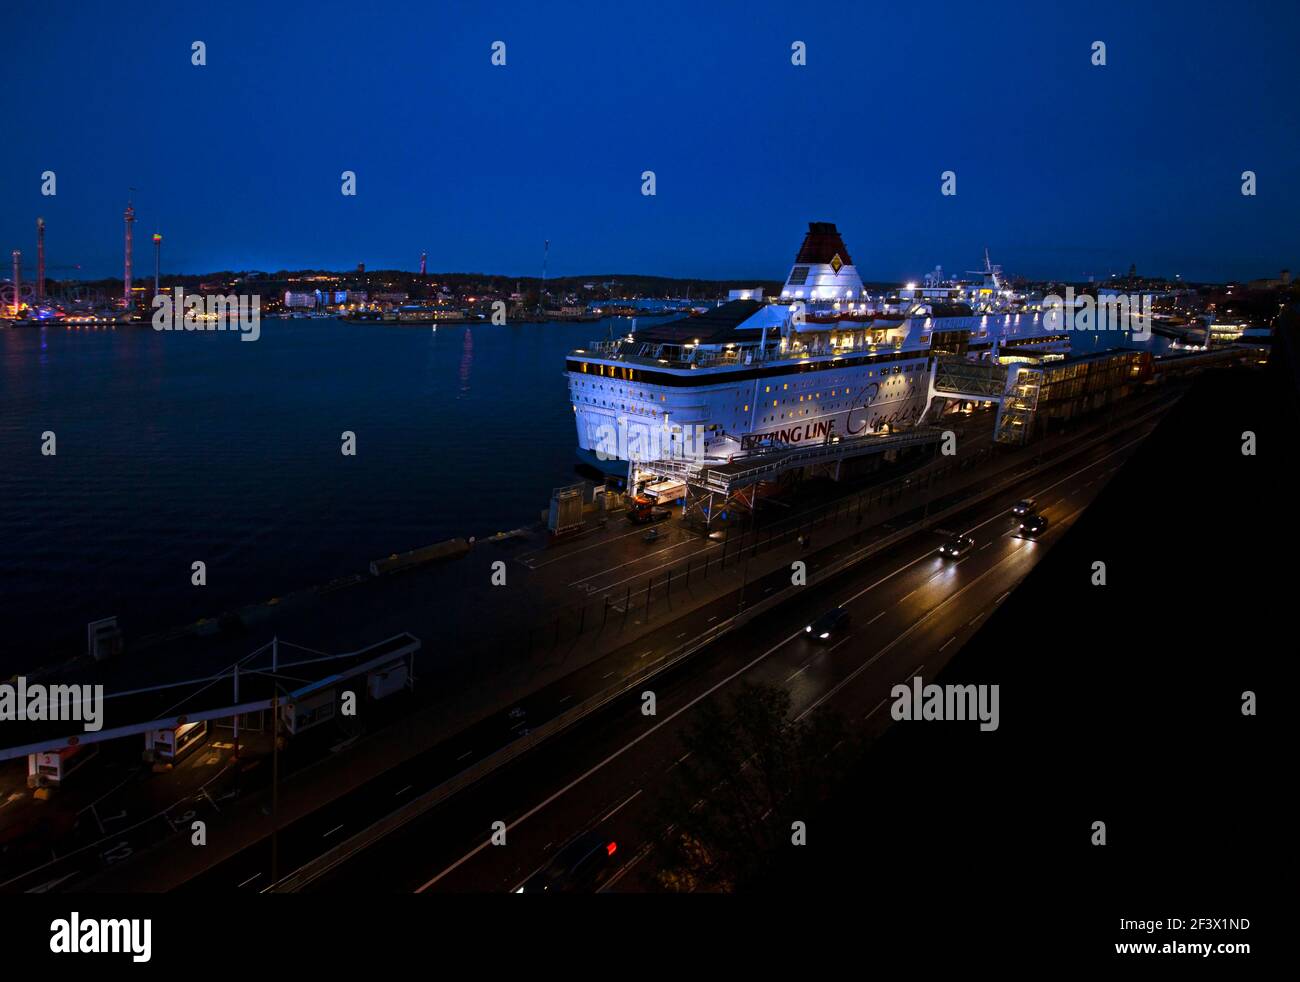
(1063, 169)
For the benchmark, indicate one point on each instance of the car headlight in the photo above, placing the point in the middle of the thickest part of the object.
(808, 629)
(825, 634)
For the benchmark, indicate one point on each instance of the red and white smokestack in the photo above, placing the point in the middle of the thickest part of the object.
(129, 220)
(18, 280)
(157, 256)
(424, 259)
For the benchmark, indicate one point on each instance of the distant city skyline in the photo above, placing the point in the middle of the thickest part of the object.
(1063, 169)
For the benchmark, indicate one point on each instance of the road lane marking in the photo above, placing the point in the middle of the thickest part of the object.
(619, 808)
(1067, 477)
(609, 759)
(622, 870)
(898, 638)
(331, 831)
(593, 588)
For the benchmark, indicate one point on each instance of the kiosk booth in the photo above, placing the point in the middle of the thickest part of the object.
(171, 745)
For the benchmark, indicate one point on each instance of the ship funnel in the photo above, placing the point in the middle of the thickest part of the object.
(823, 268)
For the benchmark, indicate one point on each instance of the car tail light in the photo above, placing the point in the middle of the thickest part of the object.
(611, 848)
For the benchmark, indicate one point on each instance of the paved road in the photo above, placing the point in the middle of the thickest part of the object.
(911, 611)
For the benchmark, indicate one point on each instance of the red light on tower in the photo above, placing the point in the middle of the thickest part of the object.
(157, 253)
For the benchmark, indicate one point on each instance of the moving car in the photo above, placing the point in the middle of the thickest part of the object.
(829, 625)
(1033, 525)
(956, 546)
(1027, 506)
(580, 866)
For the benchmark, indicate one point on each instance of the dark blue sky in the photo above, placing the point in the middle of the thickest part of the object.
(1063, 169)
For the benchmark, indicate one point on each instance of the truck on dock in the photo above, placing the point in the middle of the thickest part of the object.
(666, 491)
(643, 510)
(648, 504)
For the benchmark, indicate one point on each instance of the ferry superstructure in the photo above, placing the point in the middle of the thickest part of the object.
(823, 360)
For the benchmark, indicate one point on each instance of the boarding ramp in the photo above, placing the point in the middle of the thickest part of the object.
(714, 486)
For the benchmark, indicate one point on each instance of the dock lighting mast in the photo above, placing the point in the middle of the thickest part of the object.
(18, 280)
(129, 220)
(40, 259)
(424, 261)
(157, 255)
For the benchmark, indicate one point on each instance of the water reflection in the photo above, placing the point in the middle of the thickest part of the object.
(466, 360)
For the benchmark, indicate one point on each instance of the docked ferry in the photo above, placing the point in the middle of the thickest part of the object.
(824, 360)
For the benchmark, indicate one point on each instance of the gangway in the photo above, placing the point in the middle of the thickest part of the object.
(713, 487)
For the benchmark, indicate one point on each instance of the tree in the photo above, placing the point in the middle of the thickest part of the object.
(750, 773)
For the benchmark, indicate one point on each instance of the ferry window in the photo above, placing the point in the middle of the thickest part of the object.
(746, 408)
(773, 403)
(768, 389)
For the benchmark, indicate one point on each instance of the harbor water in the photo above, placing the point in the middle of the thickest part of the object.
(172, 448)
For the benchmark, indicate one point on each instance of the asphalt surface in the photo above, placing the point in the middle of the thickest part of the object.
(911, 611)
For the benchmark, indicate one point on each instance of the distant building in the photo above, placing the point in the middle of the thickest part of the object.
(1280, 283)
(751, 293)
(1144, 294)
(292, 299)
